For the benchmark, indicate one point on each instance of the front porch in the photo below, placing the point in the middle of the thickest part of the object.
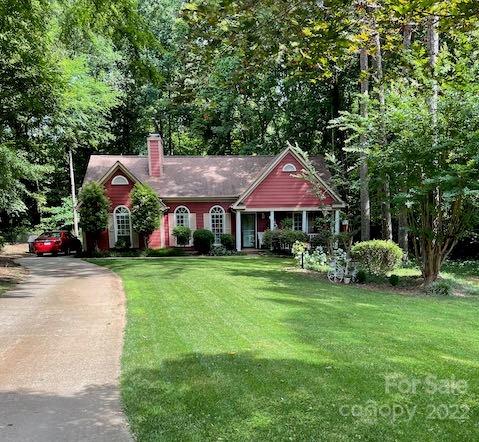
(251, 224)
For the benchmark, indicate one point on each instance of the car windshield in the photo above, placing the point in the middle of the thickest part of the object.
(51, 234)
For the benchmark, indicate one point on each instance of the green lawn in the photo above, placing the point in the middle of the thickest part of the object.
(243, 349)
(463, 276)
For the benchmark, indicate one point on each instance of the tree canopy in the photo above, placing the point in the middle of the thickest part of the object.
(384, 90)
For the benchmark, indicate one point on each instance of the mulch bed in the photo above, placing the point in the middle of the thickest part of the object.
(10, 271)
(410, 286)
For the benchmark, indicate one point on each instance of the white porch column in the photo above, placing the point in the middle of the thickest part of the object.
(238, 230)
(271, 220)
(336, 222)
(305, 221)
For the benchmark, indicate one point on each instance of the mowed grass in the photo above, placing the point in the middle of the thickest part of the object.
(462, 275)
(244, 349)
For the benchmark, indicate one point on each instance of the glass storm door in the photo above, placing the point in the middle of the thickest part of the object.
(248, 229)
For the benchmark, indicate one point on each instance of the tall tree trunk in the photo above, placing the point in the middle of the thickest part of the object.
(386, 194)
(386, 211)
(73, 192)
(433, 50)
(403, 238)
(337, 140)
(431, 263)
(170, 136)
(432, 255)
(407, 35)
(363, 171)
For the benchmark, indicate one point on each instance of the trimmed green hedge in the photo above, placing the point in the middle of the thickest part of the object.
(377, 257)
(182, 234)
(165, 251)
(283, 239)
(227, 241)
(203, 240)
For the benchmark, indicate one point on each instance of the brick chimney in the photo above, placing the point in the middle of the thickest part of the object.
(155, 155)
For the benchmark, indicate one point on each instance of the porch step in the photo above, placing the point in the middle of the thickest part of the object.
(249, 251)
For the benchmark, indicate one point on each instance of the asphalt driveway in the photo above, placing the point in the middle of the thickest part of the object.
(61, 335)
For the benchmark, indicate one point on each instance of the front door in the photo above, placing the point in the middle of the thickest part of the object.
(248, 231)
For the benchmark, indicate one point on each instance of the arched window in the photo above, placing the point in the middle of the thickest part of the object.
(217, 215)
(182, 216)
(289, 168)
(122, 219)
(119, 180)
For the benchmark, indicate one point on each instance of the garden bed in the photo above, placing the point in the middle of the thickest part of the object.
(11, 273)
(463, 282)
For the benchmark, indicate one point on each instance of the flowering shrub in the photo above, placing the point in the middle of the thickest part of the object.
(377, 257)
(299, 247)
(340, 257)
(312, 259)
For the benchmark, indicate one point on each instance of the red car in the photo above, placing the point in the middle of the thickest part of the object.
(56, 241)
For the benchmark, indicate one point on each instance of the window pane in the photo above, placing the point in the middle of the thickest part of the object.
(182, 217)
(217, 223)
(123, 228)
(297, 221)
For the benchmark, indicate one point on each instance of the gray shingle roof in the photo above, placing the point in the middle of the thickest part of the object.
(194, 176)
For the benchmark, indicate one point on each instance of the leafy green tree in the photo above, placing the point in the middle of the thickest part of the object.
(58, 217)
(93, 209)
(15, 170)
(28, 94)
(145, 210)
(437, 169)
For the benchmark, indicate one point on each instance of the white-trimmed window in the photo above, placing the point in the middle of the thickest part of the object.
(182, 216)
(297, 221)
(288, 167)
(217, 216)
(121, 216)
(119, 180)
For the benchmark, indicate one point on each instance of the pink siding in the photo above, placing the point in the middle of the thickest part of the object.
(200, 207)
(160, 237)
(280, 189)
(155, 153)
(166, 230)
(262, 221)
(155, 238)
(102, 241)
(118, 195)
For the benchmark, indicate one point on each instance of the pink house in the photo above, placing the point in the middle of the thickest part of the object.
(241, 195)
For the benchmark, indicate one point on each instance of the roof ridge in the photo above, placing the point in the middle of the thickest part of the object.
(181, 156)
(218, 156)
(118, 155)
